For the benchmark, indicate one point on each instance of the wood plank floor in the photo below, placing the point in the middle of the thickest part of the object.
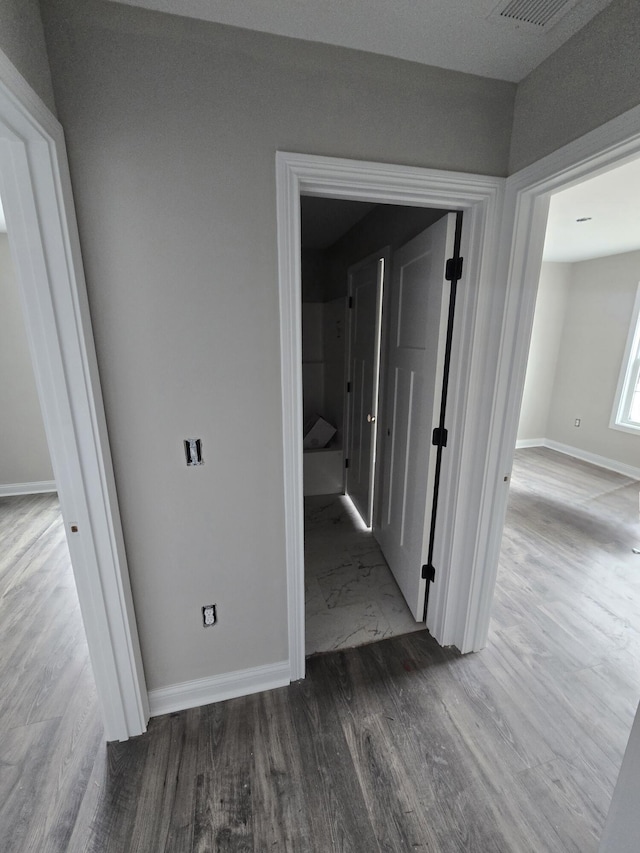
(395, 746)
(50, 731)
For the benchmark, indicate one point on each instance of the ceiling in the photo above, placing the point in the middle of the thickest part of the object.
(324, 220)
(462, 35)
(452, 34)
(612, 201)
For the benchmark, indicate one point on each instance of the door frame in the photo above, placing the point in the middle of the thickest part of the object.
(36, 191)
(524, 225)
(475, 352)
(383, 255)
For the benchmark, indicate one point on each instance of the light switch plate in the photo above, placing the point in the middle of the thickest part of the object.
(193, 451)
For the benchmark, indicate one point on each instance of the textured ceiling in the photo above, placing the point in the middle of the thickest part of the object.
(610, 204)
(462, 35)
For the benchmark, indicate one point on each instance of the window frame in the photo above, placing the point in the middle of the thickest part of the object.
(629, 372)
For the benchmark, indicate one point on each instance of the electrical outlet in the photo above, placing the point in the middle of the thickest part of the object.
(576, 422)
(209, 615)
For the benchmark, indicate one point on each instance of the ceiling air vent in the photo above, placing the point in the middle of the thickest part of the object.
(534, 15)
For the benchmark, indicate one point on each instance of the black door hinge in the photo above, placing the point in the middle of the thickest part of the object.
(351, 302)
(453, 270)
(440, 436)
(346, 463)
(428, 573)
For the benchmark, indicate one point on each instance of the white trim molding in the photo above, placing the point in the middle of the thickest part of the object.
(36, 192)
(475, 354)
(594, 459)
(520, 258)
(218, 688)
(584, 455)
(629, 376)
(38, 488)
(530, 442)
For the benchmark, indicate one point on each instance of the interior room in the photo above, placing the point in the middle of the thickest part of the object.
(25, 463)
(153, 154)
(568, 593)
(47, 687)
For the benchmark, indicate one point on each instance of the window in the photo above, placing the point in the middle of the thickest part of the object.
(626, 413)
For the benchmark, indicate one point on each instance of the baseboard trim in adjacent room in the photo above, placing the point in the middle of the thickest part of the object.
(11, 489)
(530, 442)
(217, 688)
(594, 459)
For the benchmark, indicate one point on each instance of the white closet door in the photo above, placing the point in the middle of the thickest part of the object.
(365, 316)
(418, 304)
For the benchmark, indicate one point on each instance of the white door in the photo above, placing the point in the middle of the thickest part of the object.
(366, 281)
(418, 300)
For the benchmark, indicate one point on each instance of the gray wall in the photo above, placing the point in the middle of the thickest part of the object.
(172, 128)
(546, 337)
(588, 81)
(22, 39)
(24, 454)
(315, 272)
(596, 327)
(580, 331)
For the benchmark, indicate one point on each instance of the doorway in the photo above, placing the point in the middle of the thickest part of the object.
(36, 191)
(453, 595)
(45, 670)
(568, 577)
(353, 560)
(526, 206)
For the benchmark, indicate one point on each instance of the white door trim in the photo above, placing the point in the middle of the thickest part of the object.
(36, 191)
(480, 198)
(520, 256)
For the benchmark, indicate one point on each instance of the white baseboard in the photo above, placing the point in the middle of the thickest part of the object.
(530, 442)
(594, 459)
(38, 488)
(217, 688)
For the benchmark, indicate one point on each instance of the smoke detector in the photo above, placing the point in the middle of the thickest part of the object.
(532, 15)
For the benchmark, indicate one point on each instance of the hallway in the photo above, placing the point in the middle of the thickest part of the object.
(393, 746)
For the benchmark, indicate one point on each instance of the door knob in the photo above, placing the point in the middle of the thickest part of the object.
(371, 419)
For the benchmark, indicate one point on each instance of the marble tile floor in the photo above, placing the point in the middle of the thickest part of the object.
(351, 596)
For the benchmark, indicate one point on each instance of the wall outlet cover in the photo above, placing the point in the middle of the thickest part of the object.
(209, 615)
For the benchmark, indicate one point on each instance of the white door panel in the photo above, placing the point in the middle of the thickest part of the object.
(418, 301)
(365, 317)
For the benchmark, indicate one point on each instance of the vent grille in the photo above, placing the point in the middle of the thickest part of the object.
(537, 14)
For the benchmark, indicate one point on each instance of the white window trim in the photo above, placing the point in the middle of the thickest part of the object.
(628, 375)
